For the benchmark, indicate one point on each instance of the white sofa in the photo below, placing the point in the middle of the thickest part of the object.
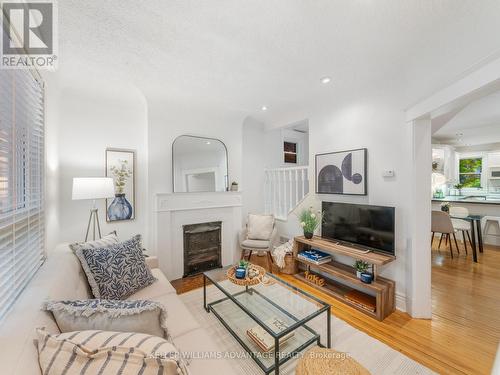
(61, 277)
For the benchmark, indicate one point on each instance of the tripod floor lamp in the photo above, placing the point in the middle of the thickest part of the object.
(93, 188)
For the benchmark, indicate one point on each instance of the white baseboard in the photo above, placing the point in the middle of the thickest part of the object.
(401, 302)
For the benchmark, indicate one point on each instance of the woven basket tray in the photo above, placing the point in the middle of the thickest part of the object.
(246, 281)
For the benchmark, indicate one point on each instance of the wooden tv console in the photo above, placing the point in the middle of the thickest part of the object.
(341, 281)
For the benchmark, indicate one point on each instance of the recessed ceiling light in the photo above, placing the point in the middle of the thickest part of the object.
(326, 80)
(264, 108)
(207, 142)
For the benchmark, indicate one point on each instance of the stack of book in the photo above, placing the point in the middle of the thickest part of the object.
(362, 300)
(314, 256)
(263, 339)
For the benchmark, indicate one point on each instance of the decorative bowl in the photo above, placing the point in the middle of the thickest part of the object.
(257, 272)
(367, 278)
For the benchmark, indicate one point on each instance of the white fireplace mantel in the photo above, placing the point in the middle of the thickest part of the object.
(174, 210)
(196, 201)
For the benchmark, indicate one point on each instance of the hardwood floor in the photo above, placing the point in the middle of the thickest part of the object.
(464, 332)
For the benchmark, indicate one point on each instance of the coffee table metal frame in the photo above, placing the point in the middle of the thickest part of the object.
(278, 361)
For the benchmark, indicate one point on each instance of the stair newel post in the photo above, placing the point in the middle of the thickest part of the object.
(296, 187)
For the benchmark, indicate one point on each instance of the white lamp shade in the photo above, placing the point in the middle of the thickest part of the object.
(93, 188)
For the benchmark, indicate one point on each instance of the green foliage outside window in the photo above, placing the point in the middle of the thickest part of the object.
(470, 172)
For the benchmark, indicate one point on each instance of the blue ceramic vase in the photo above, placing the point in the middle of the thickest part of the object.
(120, 208)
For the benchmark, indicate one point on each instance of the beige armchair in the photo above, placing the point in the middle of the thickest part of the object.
(260, 234)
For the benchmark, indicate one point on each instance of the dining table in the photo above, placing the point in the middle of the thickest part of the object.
(476, 232)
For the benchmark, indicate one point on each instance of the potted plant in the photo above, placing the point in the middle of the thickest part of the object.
(234, 186)
(445, 207)
(361, 266)
(459, 188)
(309, 221)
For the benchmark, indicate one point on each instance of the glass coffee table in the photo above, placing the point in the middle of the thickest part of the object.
(259, 307)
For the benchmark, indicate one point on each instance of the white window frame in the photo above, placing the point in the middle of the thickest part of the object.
(22, 207)
(484, 169)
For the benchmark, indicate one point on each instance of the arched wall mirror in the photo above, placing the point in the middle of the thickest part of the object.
(199, 165)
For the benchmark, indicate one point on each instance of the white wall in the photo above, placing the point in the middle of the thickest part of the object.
(262, 149)
(168, 120)
(85, 118)
(256, 154)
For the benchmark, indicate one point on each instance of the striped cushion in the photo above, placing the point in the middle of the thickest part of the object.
(104, 352)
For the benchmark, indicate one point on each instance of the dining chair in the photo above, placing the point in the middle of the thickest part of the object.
(441, 223)
(460, 225)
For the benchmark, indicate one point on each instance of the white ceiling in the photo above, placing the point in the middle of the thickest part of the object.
(478, 123)
(239, 55)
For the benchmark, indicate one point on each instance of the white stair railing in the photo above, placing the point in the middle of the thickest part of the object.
(285, 188)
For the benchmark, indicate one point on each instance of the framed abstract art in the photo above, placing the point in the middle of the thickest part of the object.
(342, 172)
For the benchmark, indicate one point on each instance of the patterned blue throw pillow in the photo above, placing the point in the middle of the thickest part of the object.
(116, 271)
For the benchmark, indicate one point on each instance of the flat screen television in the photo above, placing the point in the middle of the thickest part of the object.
(368, 227)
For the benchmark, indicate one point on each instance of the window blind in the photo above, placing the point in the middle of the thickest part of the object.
(22, 227)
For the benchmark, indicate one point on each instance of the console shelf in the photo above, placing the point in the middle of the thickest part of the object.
(341, 280)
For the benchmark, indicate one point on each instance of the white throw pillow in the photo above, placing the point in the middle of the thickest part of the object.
(141, 316)
(260, 227)
(107, 240)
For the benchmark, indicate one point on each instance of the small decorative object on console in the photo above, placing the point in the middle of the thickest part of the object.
(314, 278)
(234, 186)
(360, 266)
(315, 256)
(366, 277)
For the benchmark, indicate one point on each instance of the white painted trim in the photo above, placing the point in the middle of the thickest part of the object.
(194, 201)
(465, 89)
(401, 302)
(418, 280)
